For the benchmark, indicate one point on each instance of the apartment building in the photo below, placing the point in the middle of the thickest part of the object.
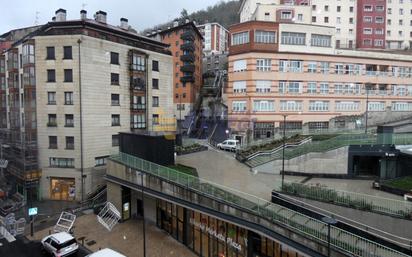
(215, 38)
(67, 90)
(366, 24)
(295, 70)
(186, 44)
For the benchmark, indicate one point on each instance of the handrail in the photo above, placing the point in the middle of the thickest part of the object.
(270, 152)
(358, 225)
(300, 223)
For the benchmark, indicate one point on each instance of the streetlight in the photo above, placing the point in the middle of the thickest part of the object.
(329, 221)
(367, 109)
(283, 150)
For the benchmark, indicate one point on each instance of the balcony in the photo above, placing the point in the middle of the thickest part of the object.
(140, 86)
(188, 68)
(188, 47)
(186, 79)
(188, 35)
(137, 107)
(187, 57)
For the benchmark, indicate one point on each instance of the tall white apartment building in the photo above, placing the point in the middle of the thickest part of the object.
(67, 90)
(215, 38)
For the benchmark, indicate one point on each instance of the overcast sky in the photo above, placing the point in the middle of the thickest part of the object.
(141, 14)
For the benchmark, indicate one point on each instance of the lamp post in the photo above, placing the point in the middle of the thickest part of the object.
(144, 221)
(283, 150)
(367, 109)
(329, 221)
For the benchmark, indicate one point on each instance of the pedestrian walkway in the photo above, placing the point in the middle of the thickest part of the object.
(126, 238)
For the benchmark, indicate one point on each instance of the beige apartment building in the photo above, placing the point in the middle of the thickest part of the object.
(294, 70)
(76, 85)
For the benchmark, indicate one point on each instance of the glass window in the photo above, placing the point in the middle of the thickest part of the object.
(115, 99)
(52, 120)
(294, 87)
(155, 119)
(312, 67)
(324, 88)
(114, 79)
(67, 52)
(69, 120)
(68, 75)
(240, 38)
(346, 106)
(155, 83)
(263, 106)
(61, 162)
(115, 119)
(294, 106)
(68, 98)
(265, 37)
(155, 101)
(51, 76)
(50, 53)
(263, 64)
(138, 62)
(291, 38)
(155, 65)
(321, 40)
(311, 88)
(139, 121)
(101, 161)
(69, 143)
(318, 106)
(239, 106)
(239, 87)
(114, 58)
(263, 86)
(51, 98)
(52, 142)
(115, 140)
(239, 65)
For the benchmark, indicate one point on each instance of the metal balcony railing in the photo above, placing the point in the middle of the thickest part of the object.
(268, 214)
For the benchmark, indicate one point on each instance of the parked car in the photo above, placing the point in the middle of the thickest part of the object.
(106, 253)
(60, 244)
(229, 144)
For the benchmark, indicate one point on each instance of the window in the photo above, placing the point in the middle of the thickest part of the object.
(115, 140)
(291, 106)
(314, 19)
(296, 66)
(367, 8)
(51, 98)
(379, 19)
(263, 106)
(379, 32)
(115, 120)
(338, 20)
(114, 58)
(338, 8)
(311, 88)
(290, 38)
(367, 31)
(300, 17)
(155, 119)
(52, 142)
(240, 38)
(239, 106)
(324, 88)
(321, 40)
(69, 120)
(100, 161)
(342, 106)
(283, 65)
(263, 64)
(312, 67)
(67, 52)
(367, 19)
(239, 65)
(155, 101)
(69, 143)
(294, 87)
(376, 106)
(68, 75)
(326, 19)
(61, 162)
(378, 42)
(265, 37)
(326, 8)
(138, 62)
(318, 106)
(351, 9)
(239, 87)
(51, 76)
(52, 121)
(350, 20)
(402, 106)
(50, 53)
(155, 83)
(282, 87)
(318, 125)
(339, 68)
(380, 8)
(155, 65)
(286, 15)
(263, 86)
(115, 100)
(68, 98)
(114, 79)
(324, 67)
(139, 121)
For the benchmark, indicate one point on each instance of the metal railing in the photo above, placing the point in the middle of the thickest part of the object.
(269, 213)
(396, 208)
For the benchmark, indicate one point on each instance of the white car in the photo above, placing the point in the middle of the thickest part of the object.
(106, 253)
(60, 244)
(230, 145)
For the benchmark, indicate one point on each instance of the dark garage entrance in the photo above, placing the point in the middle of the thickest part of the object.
(366, 165)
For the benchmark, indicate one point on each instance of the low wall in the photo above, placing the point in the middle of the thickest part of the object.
(332, 163)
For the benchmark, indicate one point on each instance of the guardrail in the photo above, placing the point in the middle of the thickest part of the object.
(396, 208)
(304, 225)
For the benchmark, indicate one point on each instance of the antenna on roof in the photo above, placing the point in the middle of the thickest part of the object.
(36, 21)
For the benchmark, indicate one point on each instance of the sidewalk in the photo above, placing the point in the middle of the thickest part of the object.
(126, 238)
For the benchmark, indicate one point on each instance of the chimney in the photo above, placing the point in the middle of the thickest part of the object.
(175, 24)
(100, 16)
(61, 15)
(54, 18)
(83, 14)
(124, 23)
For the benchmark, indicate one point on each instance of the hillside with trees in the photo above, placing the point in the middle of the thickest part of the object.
(225, 13)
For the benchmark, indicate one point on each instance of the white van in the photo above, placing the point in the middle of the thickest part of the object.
(106, 253)
(229, 144)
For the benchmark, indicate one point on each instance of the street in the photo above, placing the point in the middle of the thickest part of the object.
(25, 248)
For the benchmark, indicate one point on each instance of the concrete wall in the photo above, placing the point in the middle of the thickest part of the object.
(114, 195)
(334, 162)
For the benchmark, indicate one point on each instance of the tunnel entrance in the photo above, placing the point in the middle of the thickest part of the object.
(366, 165)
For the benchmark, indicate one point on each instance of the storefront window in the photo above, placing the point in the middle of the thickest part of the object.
(62, 189)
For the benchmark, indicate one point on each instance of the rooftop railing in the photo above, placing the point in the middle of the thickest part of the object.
(349, 243)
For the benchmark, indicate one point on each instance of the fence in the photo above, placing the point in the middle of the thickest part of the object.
(402, 209)
(295, 221)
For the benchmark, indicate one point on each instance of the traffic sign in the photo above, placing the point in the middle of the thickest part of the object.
(32, 211)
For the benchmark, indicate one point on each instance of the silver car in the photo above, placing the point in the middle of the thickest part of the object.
(60, 244)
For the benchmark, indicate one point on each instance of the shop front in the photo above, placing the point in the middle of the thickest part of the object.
(62, 189)
(210, 237)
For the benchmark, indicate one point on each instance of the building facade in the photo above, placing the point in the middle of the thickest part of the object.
(295, 70)
(70, 88)
(366, 24)
(186, 44)
(215, 38)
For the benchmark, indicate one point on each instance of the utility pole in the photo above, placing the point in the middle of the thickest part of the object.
(283, 151)
(367, 110)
